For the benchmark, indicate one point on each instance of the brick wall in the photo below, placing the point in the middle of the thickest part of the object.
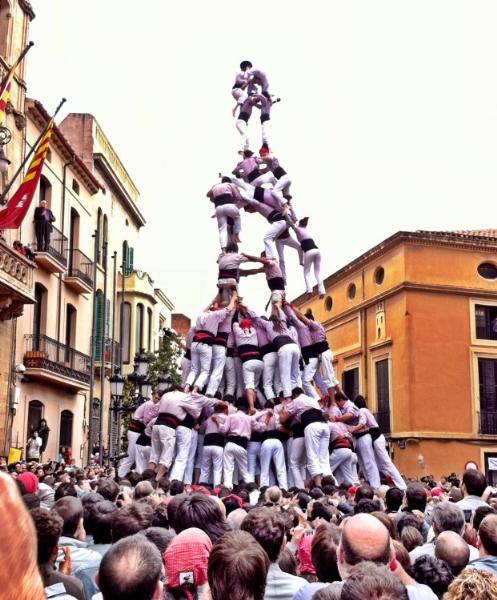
(180, 323)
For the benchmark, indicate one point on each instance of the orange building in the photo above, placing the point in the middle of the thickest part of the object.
(413, 327)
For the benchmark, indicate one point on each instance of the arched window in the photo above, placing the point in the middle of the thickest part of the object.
(150, 325)
(71, 313)
(5, 29)
(74, 231)
(65, 435)
(139, 327)
(125, 342)
(45, 192)
(35, 413)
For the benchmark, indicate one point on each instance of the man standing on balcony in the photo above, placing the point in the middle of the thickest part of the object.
(43, 226)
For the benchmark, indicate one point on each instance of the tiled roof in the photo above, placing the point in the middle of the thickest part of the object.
(464, 233)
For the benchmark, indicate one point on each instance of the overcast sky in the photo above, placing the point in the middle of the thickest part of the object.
(388, 119)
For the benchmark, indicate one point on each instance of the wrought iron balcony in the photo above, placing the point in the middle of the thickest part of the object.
(80, 272)
(51, 361)
(488, 421)
(383, 418)
(53, 255)
(16, 282)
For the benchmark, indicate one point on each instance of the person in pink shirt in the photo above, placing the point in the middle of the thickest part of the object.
(226, 198)
(206, 328)
(312, 255)
(237, 428)
(272, 448)
(249, 353)
(252, 170)
(342, 459)
(213, 448)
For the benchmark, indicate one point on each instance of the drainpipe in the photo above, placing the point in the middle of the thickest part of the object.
(62, 224)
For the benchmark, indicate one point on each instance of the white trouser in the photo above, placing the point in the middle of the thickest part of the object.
(217, 369)
(127, 463)
(163, 444)
(308, 375)
(186, 365)
(265, 128)
(297, 461)
(240, 95)
(235, 455)
(253, 458)
(200, 449)
(222, 214)
(201, 364)
(239, 377)
(272, 450)
(327, 370)
(183, 442)
(385, 464)
(317, 440)
(365, 452)
(230, 376)
(275, 229)
(190, 461)
(313, 258)
(270, 375)
(280, 248)
(282, 184)
(288, 364)
(342, 465)
(252, 373)
(242, 127)
(264, 180)
(143, 454)
(212, 465)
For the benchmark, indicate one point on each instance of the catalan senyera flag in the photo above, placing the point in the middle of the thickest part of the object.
(4, 95)
(12, 216)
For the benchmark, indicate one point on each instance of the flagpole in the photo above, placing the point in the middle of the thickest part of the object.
(29, 154)
(17, 63)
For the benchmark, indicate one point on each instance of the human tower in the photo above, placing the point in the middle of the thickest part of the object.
(259, 398)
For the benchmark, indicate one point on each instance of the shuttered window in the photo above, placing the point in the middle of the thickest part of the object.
(128, 259)
(350, 383)
(486, 322)
(126, 350)
(139, 327)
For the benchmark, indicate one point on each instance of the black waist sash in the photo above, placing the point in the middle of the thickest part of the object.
(274, 216)
(229, 274)
(238, 440)
(221, 339)
(321, 346)
(248, 352)
(214, 439)
(188, 422)
(188, 354)
(144, 440)
(253, 175)
(266, 349)
(282, 340)
(361, 434)
(309, 352)
(230, 352)
(298, 430)
(202, 336)
(275, 435)
(308, 244)
(168, 419)
(256, 436)
(276, 283)
(136, 426)
(278, 172)
(222, 199)
(375, 433)
(312, 415)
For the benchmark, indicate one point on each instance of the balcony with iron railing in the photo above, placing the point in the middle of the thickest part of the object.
(487, 422)
(16, 282)
(80, 272)
(383, 418)
(47, 360)
(51, 252)
(111, 354)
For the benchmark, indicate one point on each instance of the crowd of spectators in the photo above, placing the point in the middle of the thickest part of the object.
(71, 533)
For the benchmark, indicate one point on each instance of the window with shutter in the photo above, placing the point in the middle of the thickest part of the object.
(97, 338)
(383, 394)
(487, 378)
(350, 382)
(139, 328)
(126, 332)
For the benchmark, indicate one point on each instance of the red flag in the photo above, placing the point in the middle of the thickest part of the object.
(12, 216)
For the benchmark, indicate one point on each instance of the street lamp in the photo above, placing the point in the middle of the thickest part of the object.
(164, 382)
(142, 363)
(116, 384)
(145, 387)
